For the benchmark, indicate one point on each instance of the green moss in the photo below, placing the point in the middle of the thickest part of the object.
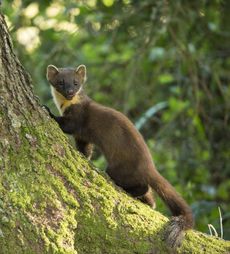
(35, 192)
(205, 244)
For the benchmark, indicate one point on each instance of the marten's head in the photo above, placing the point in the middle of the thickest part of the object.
(67, 81)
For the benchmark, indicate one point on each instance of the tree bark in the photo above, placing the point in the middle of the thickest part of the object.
(51, 199)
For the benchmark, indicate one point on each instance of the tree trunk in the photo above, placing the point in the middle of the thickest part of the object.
(52, 200)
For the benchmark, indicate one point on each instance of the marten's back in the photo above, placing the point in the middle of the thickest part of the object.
(116, 136)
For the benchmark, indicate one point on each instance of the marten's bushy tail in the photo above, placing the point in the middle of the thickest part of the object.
(182, 215)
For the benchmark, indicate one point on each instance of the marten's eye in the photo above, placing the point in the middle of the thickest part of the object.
(61, 83)
(76, 84)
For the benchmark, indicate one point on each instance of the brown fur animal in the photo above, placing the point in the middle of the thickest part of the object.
(129, 161)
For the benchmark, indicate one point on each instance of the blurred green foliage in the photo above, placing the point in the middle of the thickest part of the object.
(140, 54)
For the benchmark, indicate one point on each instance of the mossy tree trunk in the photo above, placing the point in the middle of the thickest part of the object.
(51, 199)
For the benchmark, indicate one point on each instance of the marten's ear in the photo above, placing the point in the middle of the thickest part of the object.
(51, 72)
(81, 73)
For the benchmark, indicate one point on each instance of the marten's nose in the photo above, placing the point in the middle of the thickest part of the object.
(70, 92)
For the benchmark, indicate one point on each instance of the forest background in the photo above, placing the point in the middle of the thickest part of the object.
(165, 64)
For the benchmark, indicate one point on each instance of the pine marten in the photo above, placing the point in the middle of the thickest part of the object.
(129, 161)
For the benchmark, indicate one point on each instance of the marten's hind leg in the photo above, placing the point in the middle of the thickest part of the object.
(143, 193)
(148, 198)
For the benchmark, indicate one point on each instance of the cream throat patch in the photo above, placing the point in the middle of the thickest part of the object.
(61, 102)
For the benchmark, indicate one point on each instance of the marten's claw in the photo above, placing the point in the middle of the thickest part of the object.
(47, 109)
